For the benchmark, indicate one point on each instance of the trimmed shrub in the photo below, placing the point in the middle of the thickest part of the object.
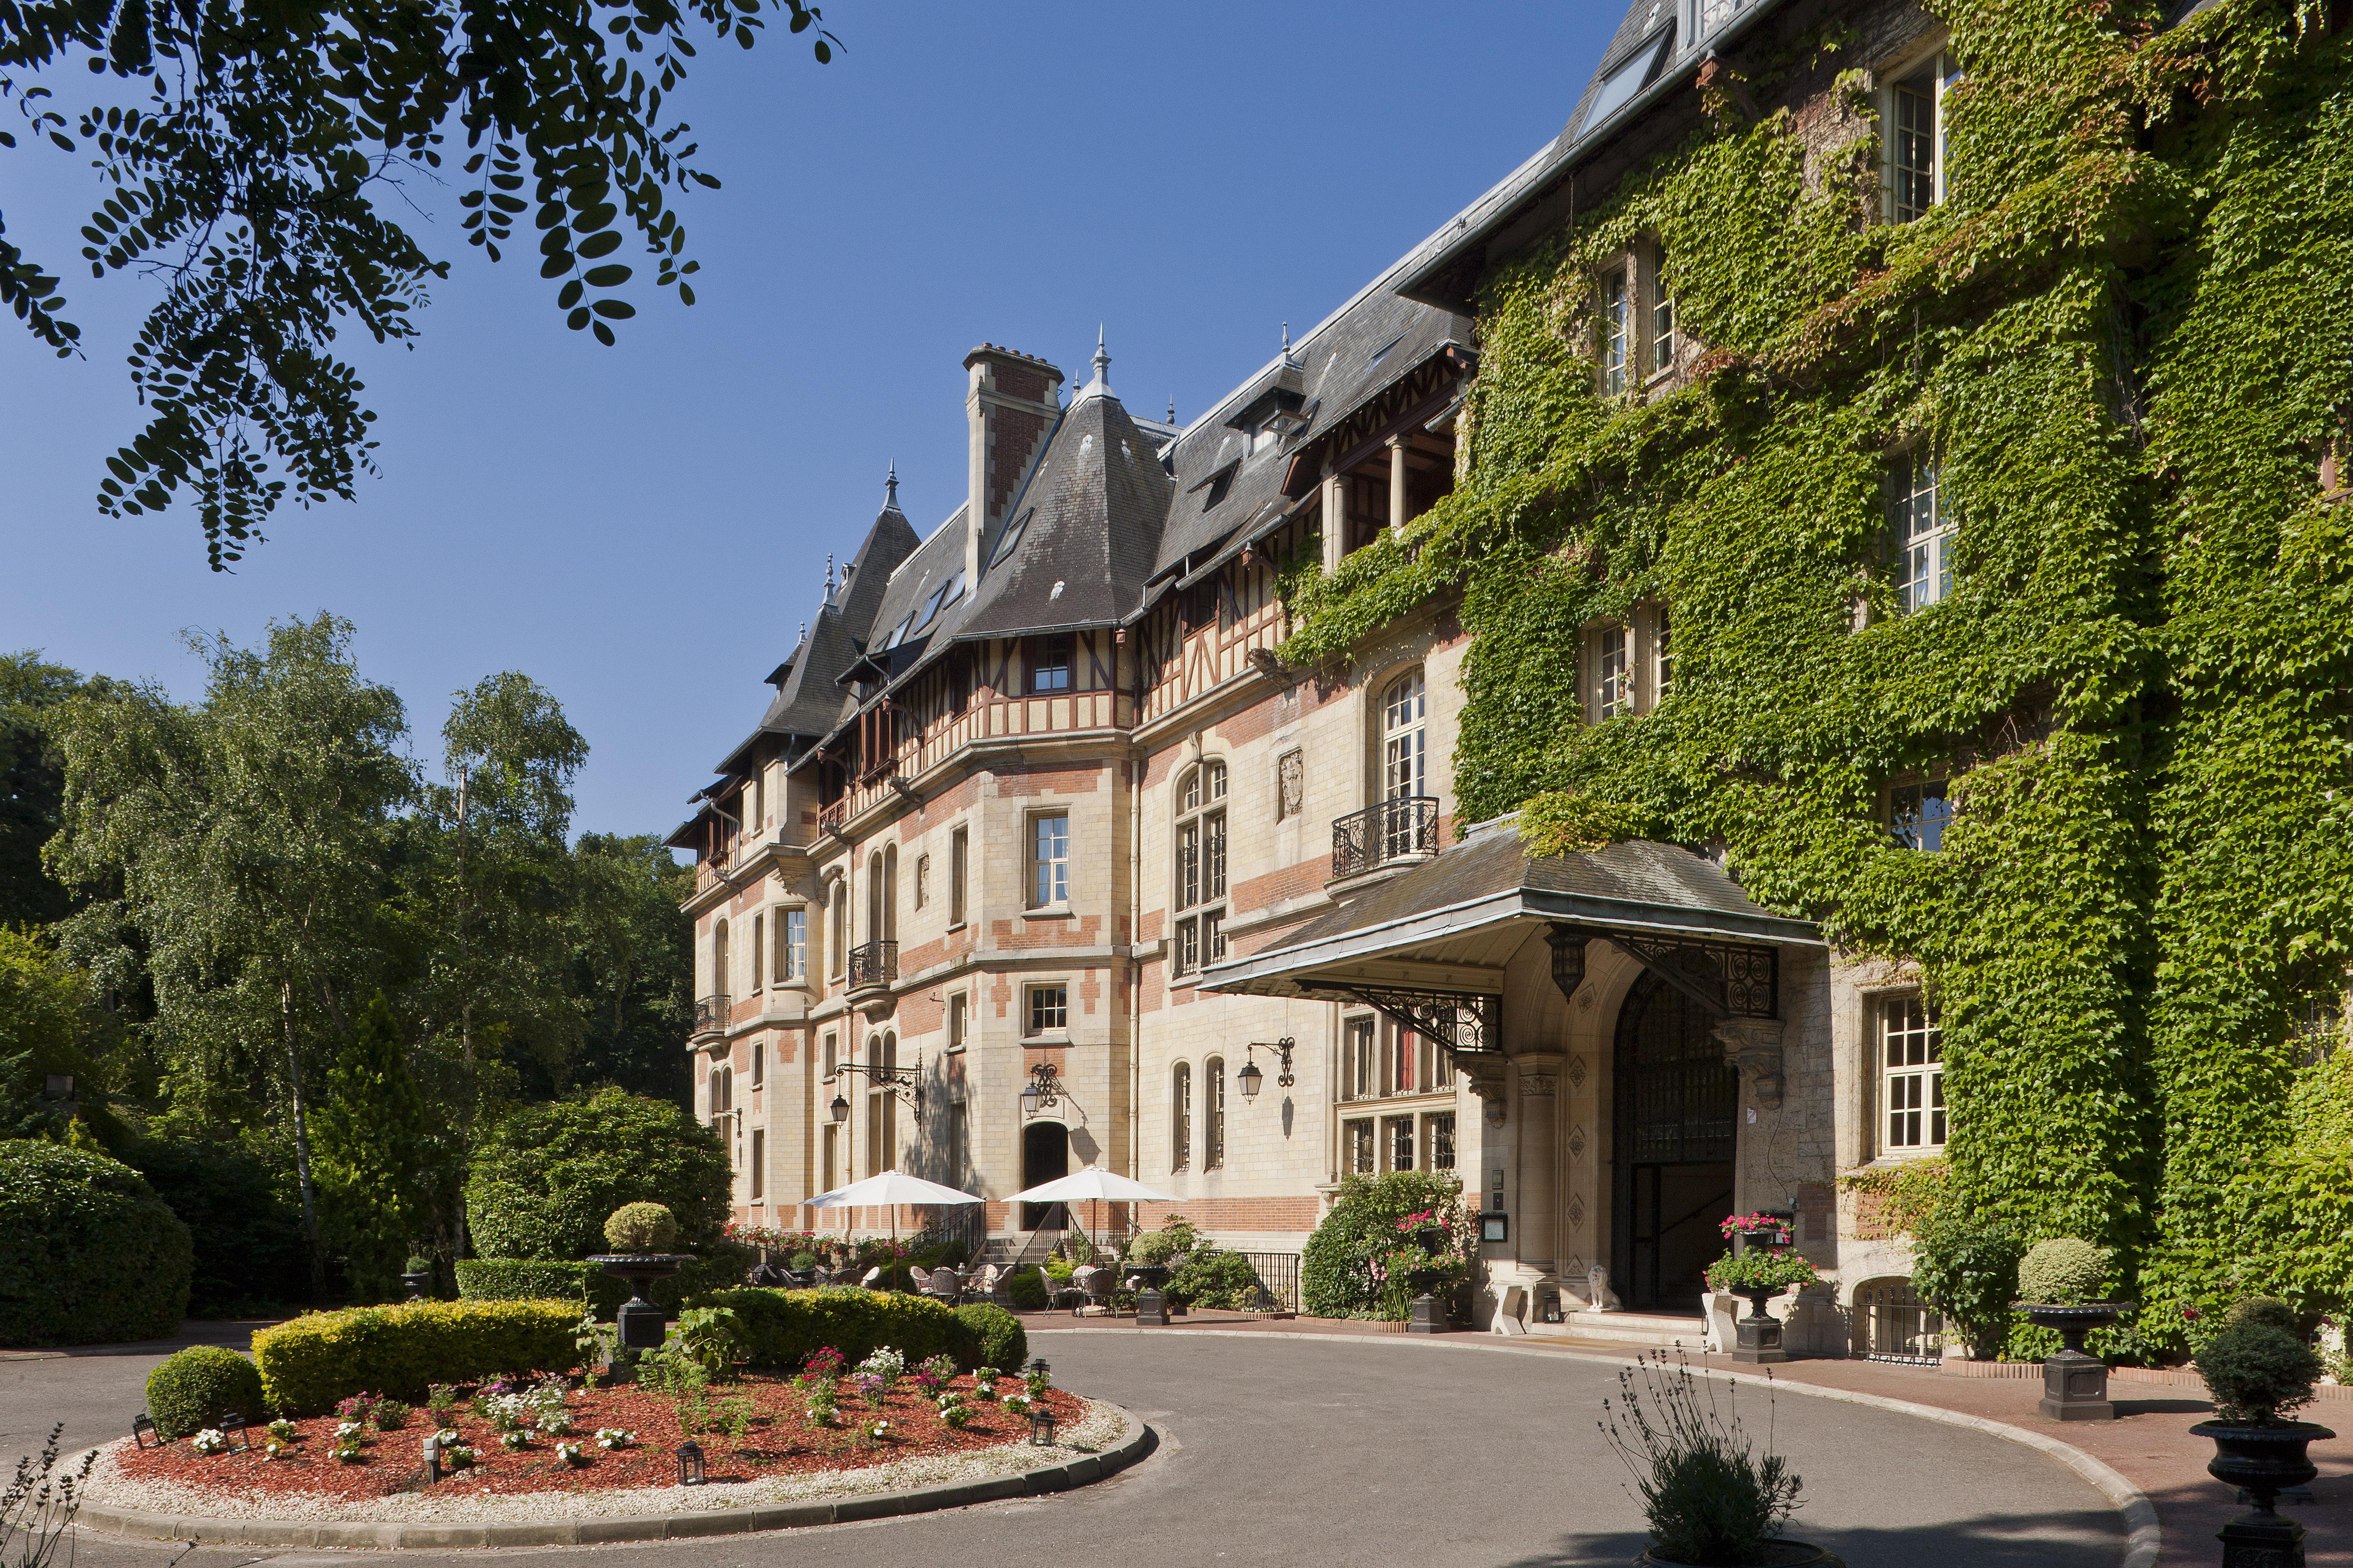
(1336, 1267)
(89, 1253)
(999, 1340)
(781, 1327)
(1175, 1237)
(2063, 1271)
(1221, 1281)
(192, 1389)
(1969, 1273)
(1027, 1290)
(536, 1279)
(641, 1227)
(545, 1179)
(315, 1360)
(2268, 1311)
(2256, 1371)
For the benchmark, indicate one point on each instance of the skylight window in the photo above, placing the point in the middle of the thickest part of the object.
(900, 635)
(1012, 537)
(932, 608)
(1633, 75)
(1382, 352)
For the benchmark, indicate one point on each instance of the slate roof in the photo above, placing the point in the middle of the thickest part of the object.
(934, 573)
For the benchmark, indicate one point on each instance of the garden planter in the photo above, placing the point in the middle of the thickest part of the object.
(1758, 1337)
(417, 1285)
(2074, 1383)
(1778, 1555)
(2267, 1461)
(643, 1326)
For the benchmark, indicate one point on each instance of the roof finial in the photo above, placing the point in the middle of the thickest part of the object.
(803, 631)
(1286, 344)
(891, 488)
(1101, 386)
(828, 575)
(1172, 408)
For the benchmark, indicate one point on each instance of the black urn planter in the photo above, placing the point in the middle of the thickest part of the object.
(2074, 1383)
(1757, 1338)
(643, 1326)
(417, 1284)
(2266, 1461)
(1778, 1555)
(1429, 1316)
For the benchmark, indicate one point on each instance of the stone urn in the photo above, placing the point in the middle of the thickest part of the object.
(2074, 1382)
(1430, 1314)
(1778, 1555)
(417, 1283)
(643, 1326)
(1758, 1337)
(2266, 1461)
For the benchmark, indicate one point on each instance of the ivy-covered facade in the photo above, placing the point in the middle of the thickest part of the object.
(1906, 463)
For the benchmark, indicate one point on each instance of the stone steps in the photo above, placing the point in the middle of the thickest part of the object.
(1660, 1328)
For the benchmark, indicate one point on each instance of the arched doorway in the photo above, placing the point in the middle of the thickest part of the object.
(1045, 1157)
(1677, 1105)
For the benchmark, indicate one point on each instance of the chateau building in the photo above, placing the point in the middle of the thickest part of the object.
(1059, 845)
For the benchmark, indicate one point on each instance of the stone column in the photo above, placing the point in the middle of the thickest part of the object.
(1396, 484)
(1336, 521)
(1537, 1225)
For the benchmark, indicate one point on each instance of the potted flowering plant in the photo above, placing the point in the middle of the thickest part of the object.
(1760, 1275)
(1430, 1251)
(1764, 1228)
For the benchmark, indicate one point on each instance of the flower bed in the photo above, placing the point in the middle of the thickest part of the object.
(778, 1438)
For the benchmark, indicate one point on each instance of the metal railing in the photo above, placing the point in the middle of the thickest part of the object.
(1892, 1323)
(1278, 1280)
(712, 1014)
(1404, 827)
(832, 815)
(873, 964)
(967, 1223)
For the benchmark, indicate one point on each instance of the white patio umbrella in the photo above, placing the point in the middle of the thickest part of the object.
(889, 1189)
(1090, 1184)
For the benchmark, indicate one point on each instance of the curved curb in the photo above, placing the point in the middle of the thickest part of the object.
(1133, 1445)
(2144, 1539)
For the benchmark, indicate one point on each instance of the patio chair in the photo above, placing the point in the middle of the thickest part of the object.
(1095, 1284)
(987, 1282)
(945, 1285)
(1059, 1291)
(870, 1276)
(922, 1277)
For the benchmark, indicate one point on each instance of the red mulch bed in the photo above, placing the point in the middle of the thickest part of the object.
(781, 1440)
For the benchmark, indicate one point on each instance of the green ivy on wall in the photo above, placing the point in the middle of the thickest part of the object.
(2124, 335)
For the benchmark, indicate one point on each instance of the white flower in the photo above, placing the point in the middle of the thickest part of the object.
(446, 1436)
(350, 1429)
(613, 1437)
(209, 1441)
(569, 1453)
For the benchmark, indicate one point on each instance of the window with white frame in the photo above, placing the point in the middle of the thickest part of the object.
(1912, 121)
(1912, 1073)
(1180, 1117)
(1050, 859)
(1617, 331)
(1613, 671)
(1663, 315)
(1049, 1010)
(1662, 659)
(1918, 812)
(792, 944)
(1213, 1118)
(1405, 740)
(1358, 1137)
(1201, 872)
(1356, 1049)
(720, 960)
(1921, 527)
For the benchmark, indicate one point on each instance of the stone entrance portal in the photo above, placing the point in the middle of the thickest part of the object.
(1676, 1120)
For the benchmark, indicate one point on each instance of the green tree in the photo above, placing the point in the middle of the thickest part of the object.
(632, 965)
(374, 1140)
(546, 1178)
(270, 178)
(31, 785)
(244, 840)
(48, 1023)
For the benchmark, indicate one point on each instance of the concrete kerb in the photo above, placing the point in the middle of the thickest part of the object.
(2144, 1540)
(1135, 1442)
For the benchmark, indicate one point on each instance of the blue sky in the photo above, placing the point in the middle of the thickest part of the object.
(643, 529)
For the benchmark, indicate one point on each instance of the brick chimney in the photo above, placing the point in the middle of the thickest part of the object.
(1010, 403)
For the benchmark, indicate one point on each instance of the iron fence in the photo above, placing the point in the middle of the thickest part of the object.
(1892, 1323)
(1401, 829)
(873, 963)
(1278, 1279)
(711, 1015)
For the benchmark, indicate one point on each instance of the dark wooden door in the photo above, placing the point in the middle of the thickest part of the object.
(1045, 1157)
(1676, 1118)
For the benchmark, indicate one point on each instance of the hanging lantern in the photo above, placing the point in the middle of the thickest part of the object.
(841, 1108)
(1567, 959)
(689, 1464)
(1249, 1079)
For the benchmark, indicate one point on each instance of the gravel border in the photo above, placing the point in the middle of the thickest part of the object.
(1116, 1439)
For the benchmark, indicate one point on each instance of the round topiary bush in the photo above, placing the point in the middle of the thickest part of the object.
(2062, 1272)
(2257, 1371)
(2269, 1311)
(1027, 1290)
(999, 1340)
(89, 1253)
(641, 1227)
(545, 1179)
(194, 1388)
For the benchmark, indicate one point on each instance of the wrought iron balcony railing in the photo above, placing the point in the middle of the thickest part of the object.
(1402, 828)
(873, 965)
(711, 1015)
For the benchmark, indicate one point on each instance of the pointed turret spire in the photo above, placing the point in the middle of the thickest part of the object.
(1101, 386)
(828, 575)
(891, 488)
(1172, 408)
(1287, 358)
(804, 639)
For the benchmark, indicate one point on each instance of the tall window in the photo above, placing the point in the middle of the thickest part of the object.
(1180, 1117)
(1049, 859)
(881, 1106)
(832, 1157)
(759, 951)
(1915, 142)
(1662, 666)
(792, 944)
(1922, 530)
(1617, 331)
(1439, 1136)
(1663, 316)
(1912, 1067)
(1405, 711)
(832, 1056)
(956, 1024)
(1213, 1127)
(837, 933)
(1200, 933)
(1356, 1045)
(719, 959)
(759, 1064)
(1050, 665)
(759, 1163)
(959, 852)
(1397, 1137)
(1358, 1138)
(1918, 813)
(1613, 672)
(1049, 1010)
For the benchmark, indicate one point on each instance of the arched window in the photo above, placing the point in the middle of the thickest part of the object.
(1213, 1129)
(874, 897)
(882, 1106)
(1200, 894)
(1404, 738)
(837, 932)
(1180, 1117)
(890, 931)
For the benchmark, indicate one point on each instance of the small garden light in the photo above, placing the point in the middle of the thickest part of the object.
(143, 1433)
(232, 1426)
(1040, 1367)
(689, 1464)
(432, 1451)
(1041, 1426)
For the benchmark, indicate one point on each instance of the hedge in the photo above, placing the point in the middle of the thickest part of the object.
(785, 1326)
(311, 1363)
(545, 1179)
(192, 1389)
(89, 1253)
(534, 1280)
(999, 1340)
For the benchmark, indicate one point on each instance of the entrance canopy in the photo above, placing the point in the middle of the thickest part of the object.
(1427, 947)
